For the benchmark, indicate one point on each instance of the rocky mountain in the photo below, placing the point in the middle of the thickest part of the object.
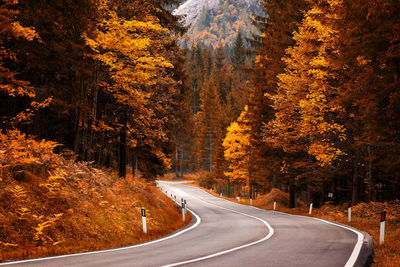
(213, 21)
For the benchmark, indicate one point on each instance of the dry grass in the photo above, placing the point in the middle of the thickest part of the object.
(365, 217)
(50, 205)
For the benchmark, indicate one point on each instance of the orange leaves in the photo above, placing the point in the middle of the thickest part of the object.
(28, 33)
(41, 236)
(125, 46)
(18, 150)
(237, 150)
(306, 111)
(325, 153)
(55, 181)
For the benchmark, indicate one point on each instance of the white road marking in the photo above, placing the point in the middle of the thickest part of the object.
(360, 236)
(198, 220)
(270, 233)
(357, 248)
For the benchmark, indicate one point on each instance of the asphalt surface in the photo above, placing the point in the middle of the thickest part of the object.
(224, 233)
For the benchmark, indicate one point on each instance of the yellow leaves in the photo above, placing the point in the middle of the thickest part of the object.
(54, 182)
(362, 61)
(127, 48)
(22, 212)
(237, 149)
(18, 191)
(40, 236)
(8, 244)
(28, 33)
(306, 117)
(57, 243)
(325, 153)
(104, 203)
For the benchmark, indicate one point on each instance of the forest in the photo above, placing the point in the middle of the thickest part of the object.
(100, 78)
(311, 108)
(309, 103)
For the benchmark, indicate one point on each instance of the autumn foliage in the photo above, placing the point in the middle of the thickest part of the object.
(52, 204)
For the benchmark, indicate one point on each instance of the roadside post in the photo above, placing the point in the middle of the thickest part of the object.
(251, 202)
(311, 204)
(274, 204)
(144, 220)
(220, 194)
(349, 211)
(184, 201)
(183, 211)
(382, 230)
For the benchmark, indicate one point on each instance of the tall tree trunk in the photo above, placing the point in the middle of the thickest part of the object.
(176, 160)
(122, 147)
(354, 189)
(77, 140)
(370, 182)
(335, 190)
(292, 196)
(209, 155)
(181, 163)
(133, 165)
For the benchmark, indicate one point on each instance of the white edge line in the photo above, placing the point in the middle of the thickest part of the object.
(198, 220)
(360, 236)
(357, 248)
(270, 233)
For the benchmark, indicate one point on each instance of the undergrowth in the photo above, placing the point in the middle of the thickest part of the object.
(52, 205)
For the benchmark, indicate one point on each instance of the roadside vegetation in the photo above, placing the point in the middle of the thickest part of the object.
(51, 204)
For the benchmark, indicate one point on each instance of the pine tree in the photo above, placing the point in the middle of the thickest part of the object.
(283, 19)
(238, 57)
(238, 152)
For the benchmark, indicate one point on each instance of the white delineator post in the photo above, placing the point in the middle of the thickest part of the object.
(183, 211)
(144, 221)
(274, 205)
(382, 230)
(311, 204)
(220, 194)
(251, 202)
(349, 212)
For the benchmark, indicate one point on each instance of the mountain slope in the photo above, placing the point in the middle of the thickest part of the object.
(211, 21)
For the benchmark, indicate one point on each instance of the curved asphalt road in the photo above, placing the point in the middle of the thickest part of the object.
(224, 233)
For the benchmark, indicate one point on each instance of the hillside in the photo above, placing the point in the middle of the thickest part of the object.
(217, 20)
(51, 205)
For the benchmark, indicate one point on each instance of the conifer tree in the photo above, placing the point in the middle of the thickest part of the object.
(238, 54)
(283, 18)
(238, 152)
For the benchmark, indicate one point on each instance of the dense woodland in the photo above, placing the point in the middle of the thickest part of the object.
(315, 112)
(102, 78)
(309, 104)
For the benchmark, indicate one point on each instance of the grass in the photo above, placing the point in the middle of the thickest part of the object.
(365, 217)
(51, 205)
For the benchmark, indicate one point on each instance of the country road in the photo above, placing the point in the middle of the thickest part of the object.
(224, 233)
